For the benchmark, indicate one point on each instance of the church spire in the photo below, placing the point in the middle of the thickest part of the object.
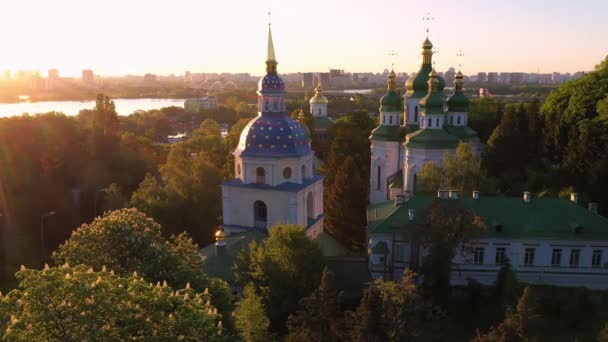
(271, 60)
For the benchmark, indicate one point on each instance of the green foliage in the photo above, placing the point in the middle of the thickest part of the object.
(128, 241)
(250, 317)
(460, 172)
(484, 115)
(80, 304)
(321, 318)
(283, 269)
(507, 287)
(603, 335)
(395, 311)
(113, 199)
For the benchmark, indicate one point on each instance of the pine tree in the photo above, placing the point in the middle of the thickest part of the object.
(345, 205)
(250, 317)
(321, 318)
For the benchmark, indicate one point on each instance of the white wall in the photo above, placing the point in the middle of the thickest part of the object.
(415, 158)
(385, 154)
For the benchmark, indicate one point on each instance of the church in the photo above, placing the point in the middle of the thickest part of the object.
(275, 179)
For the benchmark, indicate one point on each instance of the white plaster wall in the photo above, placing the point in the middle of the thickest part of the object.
(274, 169)
(316, 107)
(410, 105)
(386, 154)
(416, 158)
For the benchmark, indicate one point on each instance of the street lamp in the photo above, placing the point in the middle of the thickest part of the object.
(42, 247)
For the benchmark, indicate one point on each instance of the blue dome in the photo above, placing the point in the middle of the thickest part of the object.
(274, 135)
(271, 83)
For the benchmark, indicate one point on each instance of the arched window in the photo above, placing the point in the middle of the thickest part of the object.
(319, 111)
(260, 214)
(287, 173)
(437, 122)
(379, 175)
(304, 172)
(260, 175)
(266, 105)
(451, 120)
(238, 169)
(310, 206)
(416, 114)
(430, 123)
(458, 119)
(390, 119)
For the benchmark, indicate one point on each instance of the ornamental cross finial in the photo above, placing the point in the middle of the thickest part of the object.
(460, 56)
(392, 54)
(427, 19)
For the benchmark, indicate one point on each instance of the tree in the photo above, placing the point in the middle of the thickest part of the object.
(603, 335)
(395, 311)
(128, 241)
(250, 317)
(113, 199)
(105, 118)
(446, 227)
(81, 304)
(345, 206)
(507, 289)
(321, 318)
(284, 268)
(520, 324)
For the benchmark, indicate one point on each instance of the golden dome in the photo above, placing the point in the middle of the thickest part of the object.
(427, 44)
(220, 234)
(319, 98)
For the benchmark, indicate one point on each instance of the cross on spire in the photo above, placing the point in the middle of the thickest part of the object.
(427, 19)
(392, 54)
(460, 56)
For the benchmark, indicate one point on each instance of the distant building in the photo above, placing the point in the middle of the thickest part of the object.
(450, 75)
(492, 77)
(187, 77)
(516, 78)
(53, 74)
(88, 76)
(307, 80)
(196, 104)
(324, 78)
(149, 78)
(482, 77)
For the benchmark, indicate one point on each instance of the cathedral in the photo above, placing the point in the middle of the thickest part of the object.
(275, 180)
(431, 127)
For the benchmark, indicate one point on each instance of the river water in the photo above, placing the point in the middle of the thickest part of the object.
(123, 106)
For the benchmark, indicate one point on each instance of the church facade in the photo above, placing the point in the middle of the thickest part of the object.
(275, 180)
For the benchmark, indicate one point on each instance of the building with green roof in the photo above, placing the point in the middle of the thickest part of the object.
(318, 110)
(546, 240)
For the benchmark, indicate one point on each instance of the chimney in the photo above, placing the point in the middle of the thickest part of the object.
(593, 207)
(453, 194)
(527, 197)
(443, 194)
(574, 197)
(475, 194)
(399, 199)
(411, 214)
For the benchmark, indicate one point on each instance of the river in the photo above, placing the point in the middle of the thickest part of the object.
(123, 106)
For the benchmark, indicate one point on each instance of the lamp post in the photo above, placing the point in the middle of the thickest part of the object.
(42, 246)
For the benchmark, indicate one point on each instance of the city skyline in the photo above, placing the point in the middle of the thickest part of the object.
(309, 37)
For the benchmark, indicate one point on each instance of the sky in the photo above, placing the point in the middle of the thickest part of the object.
(118, 37)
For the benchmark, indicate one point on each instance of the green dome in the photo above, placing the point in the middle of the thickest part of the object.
(458, 103)
(391, 101)
(417, 86)
(433, 102)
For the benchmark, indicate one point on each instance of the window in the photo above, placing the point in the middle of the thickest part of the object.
(390, 119)
(430, 123)
(260, 175)
(556, 257)
(416, 114)
(319, 111)
(437, 122)
(478, 255)
(500, 255)
(383, 118)
(287, 173)
(458, 119)
(575, 255)
(399, 253)
(303, 172)
(529, 256)
(451, 120)
(379, 177)
(260, 214)
(238, 169)
(596, 259)
(310, 206)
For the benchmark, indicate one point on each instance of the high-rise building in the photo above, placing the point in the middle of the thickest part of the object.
(492, 77)
(482, 77)
(53, 74)
(88, 76)
(307, 80)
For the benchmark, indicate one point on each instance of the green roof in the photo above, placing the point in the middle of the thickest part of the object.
(418, 86)
(458, 103)
(388, 133)
(220, 266)
(431, 139)
(391, 102)
(542, 218)
(322, 122)
(464, 133)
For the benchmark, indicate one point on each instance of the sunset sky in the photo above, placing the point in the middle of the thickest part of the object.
(117, 37)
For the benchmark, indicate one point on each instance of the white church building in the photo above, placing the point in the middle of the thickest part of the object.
(545, 240)
(275, 181)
